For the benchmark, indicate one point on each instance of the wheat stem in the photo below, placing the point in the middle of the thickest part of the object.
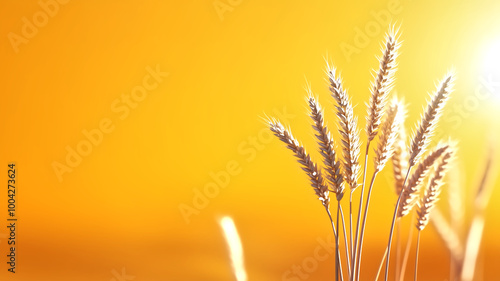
(335, 234)
(398, 250)
(337, 244)
(356, 247)
(362, 234)
(416, 256)
(351, 237)
(394, 217)
(381, 265)
(407, 251)
(345, 244)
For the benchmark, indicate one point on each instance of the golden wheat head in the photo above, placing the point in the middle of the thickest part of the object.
(348, 129)
(327, 147)
(428, 122)
(384, 80)
(412, 187)
(432, 192)
(400, 155)
(311, 168)
(388, 135)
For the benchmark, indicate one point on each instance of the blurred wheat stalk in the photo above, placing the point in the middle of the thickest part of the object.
(416, 190)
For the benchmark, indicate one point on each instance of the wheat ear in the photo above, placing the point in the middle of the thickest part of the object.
(327, 147)
(399, 167)
(384, 81)
(410, 191)
(348, 129)
(428, 122)
(311, 168)
(432, 192)
(389, 133)
(400, 157)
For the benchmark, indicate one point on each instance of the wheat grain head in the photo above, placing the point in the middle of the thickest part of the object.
(412, 187)
(327, 147)
(400, 155)
(429, 119)
(388, 135)
(348, 129)
(432, 192)
(311, 168)
(383, 83)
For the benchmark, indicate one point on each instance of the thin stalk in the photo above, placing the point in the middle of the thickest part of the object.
(392, 227)
(351, 237)
(337, 244)
(356, 246)
(346, 245)
(416, 257)
(362, 234)
(381, 265)
(335, 234)
(398, 249)
(407, 250)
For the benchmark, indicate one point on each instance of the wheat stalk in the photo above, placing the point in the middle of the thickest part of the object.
(311, 169)
(382, 154)
(431, 116)
(350, 142)
(332, 166)
(380, 88)
(475, 234)
(448, 236)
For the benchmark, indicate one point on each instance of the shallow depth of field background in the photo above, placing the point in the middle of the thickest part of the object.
(118, 209)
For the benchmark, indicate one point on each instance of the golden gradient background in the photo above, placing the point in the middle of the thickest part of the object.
(120, 207)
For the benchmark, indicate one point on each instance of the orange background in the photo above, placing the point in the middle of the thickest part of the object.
(119, 207)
